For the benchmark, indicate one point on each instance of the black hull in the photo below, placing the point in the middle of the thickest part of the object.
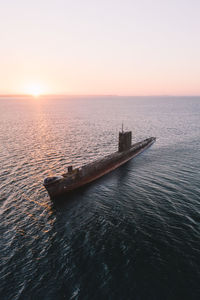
(96, 170)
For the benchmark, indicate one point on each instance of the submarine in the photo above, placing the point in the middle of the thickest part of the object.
(79, 177)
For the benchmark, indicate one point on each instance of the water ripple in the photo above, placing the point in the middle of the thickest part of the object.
(133, 234)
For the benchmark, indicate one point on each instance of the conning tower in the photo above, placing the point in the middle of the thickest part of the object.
(125, 140)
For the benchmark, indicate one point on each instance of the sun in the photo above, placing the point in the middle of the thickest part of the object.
(35, 90)
(36, 93)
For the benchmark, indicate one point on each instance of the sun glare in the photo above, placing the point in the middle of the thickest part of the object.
(35, 90)
(36, 94)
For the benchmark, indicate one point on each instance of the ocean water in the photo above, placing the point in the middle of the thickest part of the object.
(133, 234)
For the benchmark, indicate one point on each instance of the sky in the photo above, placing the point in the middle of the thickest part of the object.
(143, 47)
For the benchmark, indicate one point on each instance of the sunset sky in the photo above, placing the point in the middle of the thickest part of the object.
(143, 47)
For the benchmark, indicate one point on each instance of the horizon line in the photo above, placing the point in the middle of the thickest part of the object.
(95, 95)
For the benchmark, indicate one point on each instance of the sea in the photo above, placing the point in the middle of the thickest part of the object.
(134, 233)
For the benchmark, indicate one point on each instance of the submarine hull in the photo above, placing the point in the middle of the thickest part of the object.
(92, 171)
